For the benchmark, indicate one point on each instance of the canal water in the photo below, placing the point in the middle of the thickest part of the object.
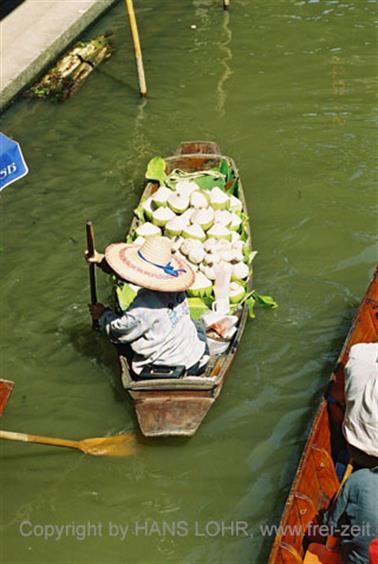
(287, 89)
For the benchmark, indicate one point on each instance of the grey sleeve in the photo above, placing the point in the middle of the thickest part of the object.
(337, 510)
(121, 328)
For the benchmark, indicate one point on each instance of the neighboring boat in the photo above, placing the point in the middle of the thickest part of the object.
(6, 387)
(176, 407)
(325, 456)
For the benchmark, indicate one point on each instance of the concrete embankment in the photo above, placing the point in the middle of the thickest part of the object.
(35, 33)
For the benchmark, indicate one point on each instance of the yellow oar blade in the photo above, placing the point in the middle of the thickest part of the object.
(119, 445)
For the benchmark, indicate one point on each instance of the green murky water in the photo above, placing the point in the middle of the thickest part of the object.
(286, 88)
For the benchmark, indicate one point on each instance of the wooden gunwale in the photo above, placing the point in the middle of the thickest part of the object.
(325, 436)
(198, 392)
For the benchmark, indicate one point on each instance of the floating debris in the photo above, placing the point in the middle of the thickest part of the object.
(70, 72)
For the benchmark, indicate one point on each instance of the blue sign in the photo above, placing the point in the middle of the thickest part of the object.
(12, 163)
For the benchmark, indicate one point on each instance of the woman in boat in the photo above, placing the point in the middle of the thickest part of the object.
(157, 325)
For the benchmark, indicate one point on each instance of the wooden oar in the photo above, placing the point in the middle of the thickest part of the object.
(92, 267)
(118, 445)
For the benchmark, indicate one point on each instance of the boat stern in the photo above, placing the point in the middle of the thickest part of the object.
(167, 415)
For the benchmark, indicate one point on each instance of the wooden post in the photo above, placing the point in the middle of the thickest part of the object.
(226, 4)
(137, 49)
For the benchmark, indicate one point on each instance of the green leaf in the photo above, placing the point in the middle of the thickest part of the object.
(156, 170)
(139, 213)
(251, 307)
(197, 307)
(129, 239)
(265, 301)
(251, 256)
(232, 187)
(125, 296)
(207, 182)
(244, 227)
(225, 168)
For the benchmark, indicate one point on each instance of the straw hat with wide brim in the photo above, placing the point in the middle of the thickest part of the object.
(150, 265)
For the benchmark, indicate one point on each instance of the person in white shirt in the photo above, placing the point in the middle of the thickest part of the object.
(157, 325)
(360, 426)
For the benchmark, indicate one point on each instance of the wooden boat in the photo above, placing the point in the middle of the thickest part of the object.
(316, 481)
(6, 387)
(176, 407)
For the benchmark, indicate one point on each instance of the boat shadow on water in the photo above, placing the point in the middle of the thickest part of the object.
(95, 346)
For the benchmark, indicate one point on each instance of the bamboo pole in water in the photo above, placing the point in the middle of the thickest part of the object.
(137, 48)
(226, 4)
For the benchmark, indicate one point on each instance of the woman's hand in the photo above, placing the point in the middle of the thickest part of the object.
(96, 310)
(96, 258)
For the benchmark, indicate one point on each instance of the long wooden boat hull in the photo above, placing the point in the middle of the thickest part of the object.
(316, 481)
(6, 387)
(177, 407)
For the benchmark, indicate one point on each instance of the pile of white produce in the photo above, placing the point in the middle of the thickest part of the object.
(205, 228)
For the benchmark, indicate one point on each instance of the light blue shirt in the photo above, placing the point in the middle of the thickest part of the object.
(158, 328)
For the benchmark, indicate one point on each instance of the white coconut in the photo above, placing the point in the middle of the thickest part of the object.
(235, 236)
(237, 256)
(196, 255)
(208, 258)
(186, 216)
(189, 244)
(162, 215)
(235, 222)
(186, 187)
(224, 245)
(218, 231)
(237, 245)
(236, 205)
(240, 271)
(227, 255)
(178, 203)
(194, 232)
(147, 208)
(160, 197)
(237, 292)
(210, 244)
(209, 272)
(219, 200)
(223, 217)
(201, 287)
(198, 199)
(147, 230)
(203, 217)
(175, 226)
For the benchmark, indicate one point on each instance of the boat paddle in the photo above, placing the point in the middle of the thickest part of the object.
(92, 267)
(117, 445)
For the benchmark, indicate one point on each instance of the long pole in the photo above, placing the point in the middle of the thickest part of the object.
(92, 267)
(226, 4)
(137, 48)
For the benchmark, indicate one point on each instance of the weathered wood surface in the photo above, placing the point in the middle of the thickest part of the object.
(316, 482)
(70, 72)
(6, 387)
(177, 408)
